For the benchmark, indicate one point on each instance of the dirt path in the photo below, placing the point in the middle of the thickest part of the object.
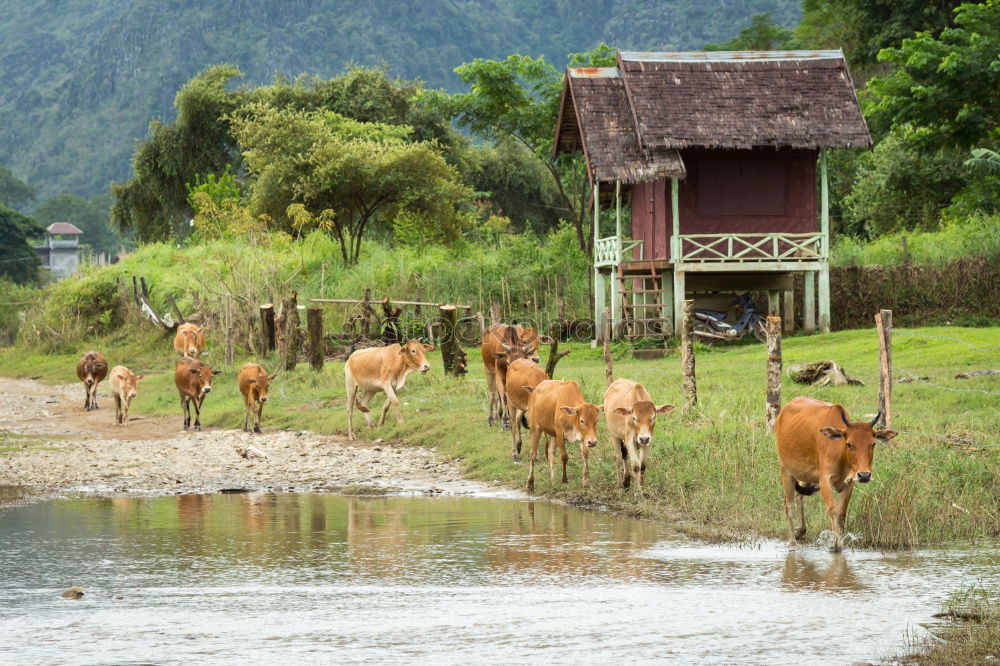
(49, 444)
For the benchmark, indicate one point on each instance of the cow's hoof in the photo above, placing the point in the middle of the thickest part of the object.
(257, 430)
(516, 458)
(530, 488)
(197, 428)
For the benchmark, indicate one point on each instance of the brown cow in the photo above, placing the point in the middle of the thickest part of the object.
(123, 385)
(820, 448)
(253, 381)
(631, 418)
(194, 381)
(381, 369)
(190, 340)
(558, 409)
(520, 374)
(91, 369)
(493, 352)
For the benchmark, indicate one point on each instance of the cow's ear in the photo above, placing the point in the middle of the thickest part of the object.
(215, 372)
(402, 349)
(545, 340)
(568, 410)
(600, 408)
(665, 409)
(251, 381)
(885, 435)
(138, 377)
(499, 355)
(506, 348)
(528, 389)
(428, 347)
(271, 377)
(832, 433)
(621, 411)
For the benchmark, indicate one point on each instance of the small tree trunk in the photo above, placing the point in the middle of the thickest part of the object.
(314, 323)
(267, 341)
(229, 329)
(449, 339)
(773, 405)
(290, 310)
(687, 356)
(554, 354)
(609, 374)
(883, 322)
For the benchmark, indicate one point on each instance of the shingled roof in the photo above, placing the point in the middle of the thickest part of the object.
(634, 117)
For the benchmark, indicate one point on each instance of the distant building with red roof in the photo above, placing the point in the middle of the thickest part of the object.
(61, 251)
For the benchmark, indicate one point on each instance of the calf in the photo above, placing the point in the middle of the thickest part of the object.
(381, 369)
(819, 448)
(123, 384)
(253, 382)
(557, 409)
(631, 418)
(194, 381)
(498, 341)
(190, 340)
(91, 369)
(522, 374)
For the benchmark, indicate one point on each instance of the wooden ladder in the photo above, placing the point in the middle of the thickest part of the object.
(641, 320)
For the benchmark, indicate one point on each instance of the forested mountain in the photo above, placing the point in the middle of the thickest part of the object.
(80, 79)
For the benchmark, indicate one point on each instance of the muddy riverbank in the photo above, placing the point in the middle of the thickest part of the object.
(51, 446)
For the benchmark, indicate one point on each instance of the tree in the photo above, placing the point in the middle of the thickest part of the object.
(14, 192)
(19, 261)
(517, 99)
(761, 35)
(349, 175)
(90, 215)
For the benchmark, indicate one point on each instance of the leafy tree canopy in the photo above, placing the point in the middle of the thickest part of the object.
(761, 35)
(14, 192)
(18, 260)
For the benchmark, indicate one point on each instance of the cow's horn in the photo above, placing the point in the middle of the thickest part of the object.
(878, 417)
(843, 415)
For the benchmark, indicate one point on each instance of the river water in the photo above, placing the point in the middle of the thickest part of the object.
(259, 578)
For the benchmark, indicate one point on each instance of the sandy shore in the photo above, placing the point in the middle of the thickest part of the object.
(53, 446)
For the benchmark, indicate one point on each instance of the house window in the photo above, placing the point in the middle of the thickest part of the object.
(741, 187)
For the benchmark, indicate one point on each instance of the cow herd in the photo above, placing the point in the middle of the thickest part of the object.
(819, 447)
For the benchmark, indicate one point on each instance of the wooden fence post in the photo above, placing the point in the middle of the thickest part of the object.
(482, 323)
(314, 324)
(290, 310)
(773, 405)
(449, 339)
(687, 356)
(608, 370)
(883, 322)
(229, 329)
(267, 342)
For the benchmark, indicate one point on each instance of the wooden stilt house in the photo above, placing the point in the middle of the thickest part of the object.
(719, 159)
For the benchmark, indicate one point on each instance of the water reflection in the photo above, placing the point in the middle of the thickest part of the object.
(317, 578)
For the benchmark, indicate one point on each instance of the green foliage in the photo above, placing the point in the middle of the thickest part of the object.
(761, 35)
(90, 215)
(217, 188)
(18, 260)
(14, 299)
(365, 174)
(977, 235)
(945, 89)
(14, 192)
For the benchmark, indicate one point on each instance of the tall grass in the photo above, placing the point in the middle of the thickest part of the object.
(977, 235)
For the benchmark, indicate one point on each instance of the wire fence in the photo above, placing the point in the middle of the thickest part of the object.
(941, 337)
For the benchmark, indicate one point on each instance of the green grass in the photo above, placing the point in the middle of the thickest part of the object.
(713, 471)
(971, 637)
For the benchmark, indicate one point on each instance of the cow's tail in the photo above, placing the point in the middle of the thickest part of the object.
(524, 420)
(807, 489)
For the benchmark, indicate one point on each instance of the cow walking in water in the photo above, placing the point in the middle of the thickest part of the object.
(123, 386)
(820, 448)
(254, 382)
(190, 340)
(631, 418)
(381, 370)
(91, 369)
(194, 381)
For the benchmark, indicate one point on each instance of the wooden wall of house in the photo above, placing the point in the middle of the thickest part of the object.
(727, 191)
(758, 191)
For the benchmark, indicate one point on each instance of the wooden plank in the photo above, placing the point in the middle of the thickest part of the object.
(748, 266)
(788, 311)
(268, 342)
(809, 303)
(356, 301)
(824, 298)
(739, 282)
(675, 209)
(608, 370)
(314, 326)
